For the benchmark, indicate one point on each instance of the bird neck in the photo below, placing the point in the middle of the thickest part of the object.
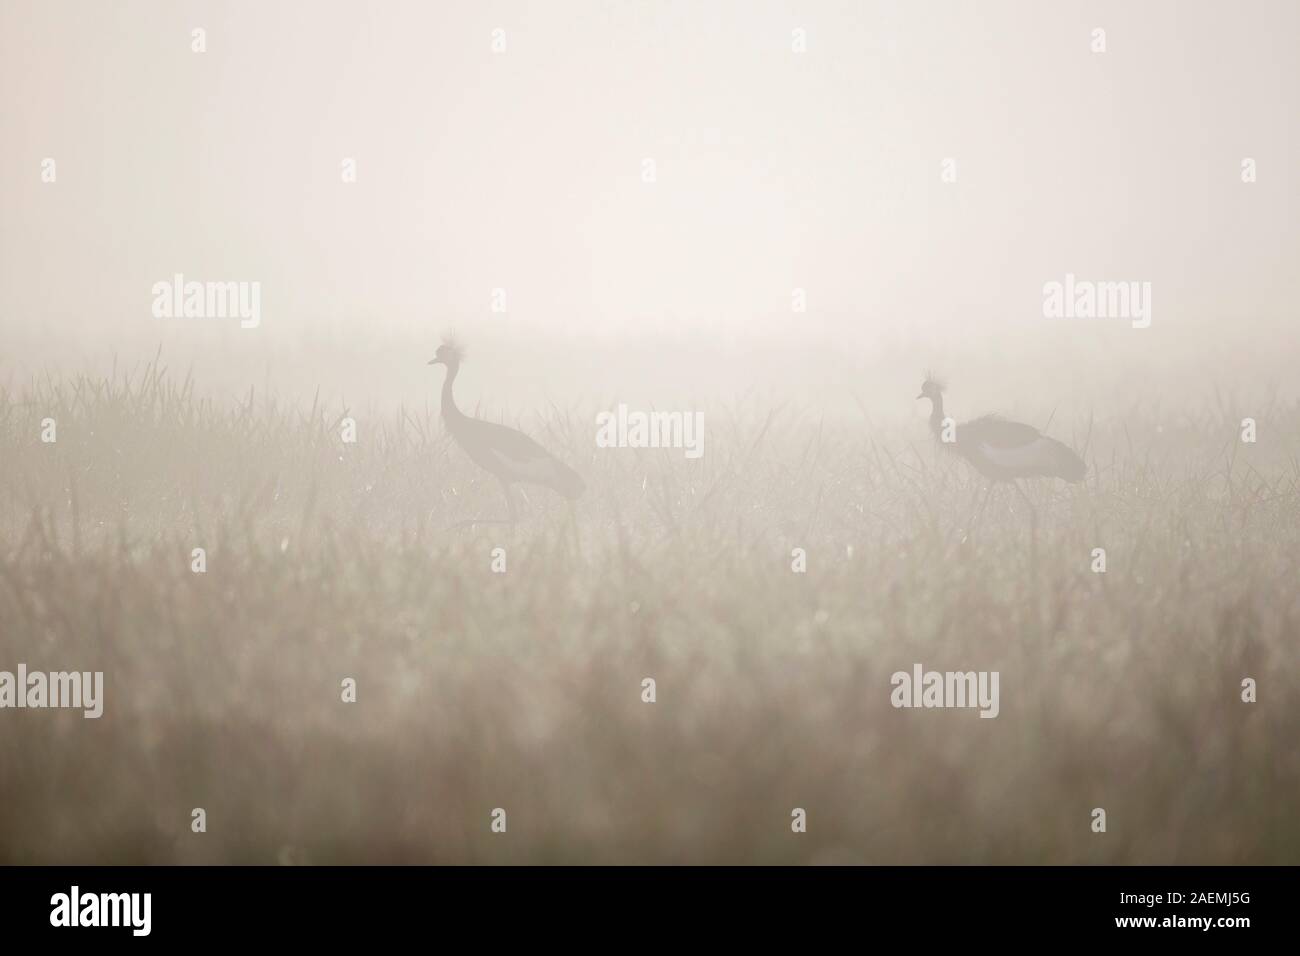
(449, 409)
(936, 413)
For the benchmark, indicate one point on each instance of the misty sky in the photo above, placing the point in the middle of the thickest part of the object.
(775, 170)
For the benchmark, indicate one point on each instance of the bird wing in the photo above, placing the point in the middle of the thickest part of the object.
(512, 455)
(510, 443)
(996, 432)
(1037, 456)
(1017, 447)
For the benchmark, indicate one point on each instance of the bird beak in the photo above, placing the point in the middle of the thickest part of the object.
(435, 361)
(922, 395)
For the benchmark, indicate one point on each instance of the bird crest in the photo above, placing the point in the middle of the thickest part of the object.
(933, 382)
(451, 349)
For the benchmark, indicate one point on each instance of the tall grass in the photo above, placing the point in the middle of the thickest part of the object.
(522, 690)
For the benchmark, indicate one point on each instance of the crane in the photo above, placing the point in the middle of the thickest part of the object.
(999, 449)
(505, 452)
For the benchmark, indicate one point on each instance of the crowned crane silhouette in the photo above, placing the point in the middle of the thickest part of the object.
(1002, 450)
(510, 455)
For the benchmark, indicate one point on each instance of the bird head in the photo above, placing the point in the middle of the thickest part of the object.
(931, 388)
(450, 353)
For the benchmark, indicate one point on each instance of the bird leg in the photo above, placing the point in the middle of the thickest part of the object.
(1033, 528)
(510, 502)
(573, 526)
(970, 518)
(513, 520)
(471, 522)
(1020, 491)
(976, 514)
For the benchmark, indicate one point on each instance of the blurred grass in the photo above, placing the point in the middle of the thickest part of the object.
(522, 691)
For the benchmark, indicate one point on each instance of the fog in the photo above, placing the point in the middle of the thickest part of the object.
(522, 170)
(352, 621)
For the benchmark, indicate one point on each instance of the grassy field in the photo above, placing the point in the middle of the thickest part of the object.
(522, 690)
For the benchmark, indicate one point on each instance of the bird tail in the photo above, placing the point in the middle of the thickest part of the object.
(1066, 464)
(567, 481)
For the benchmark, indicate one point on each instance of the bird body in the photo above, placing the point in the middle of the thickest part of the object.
(1002, 450)
(505, 452)
(511, 455)
(1005, 450)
